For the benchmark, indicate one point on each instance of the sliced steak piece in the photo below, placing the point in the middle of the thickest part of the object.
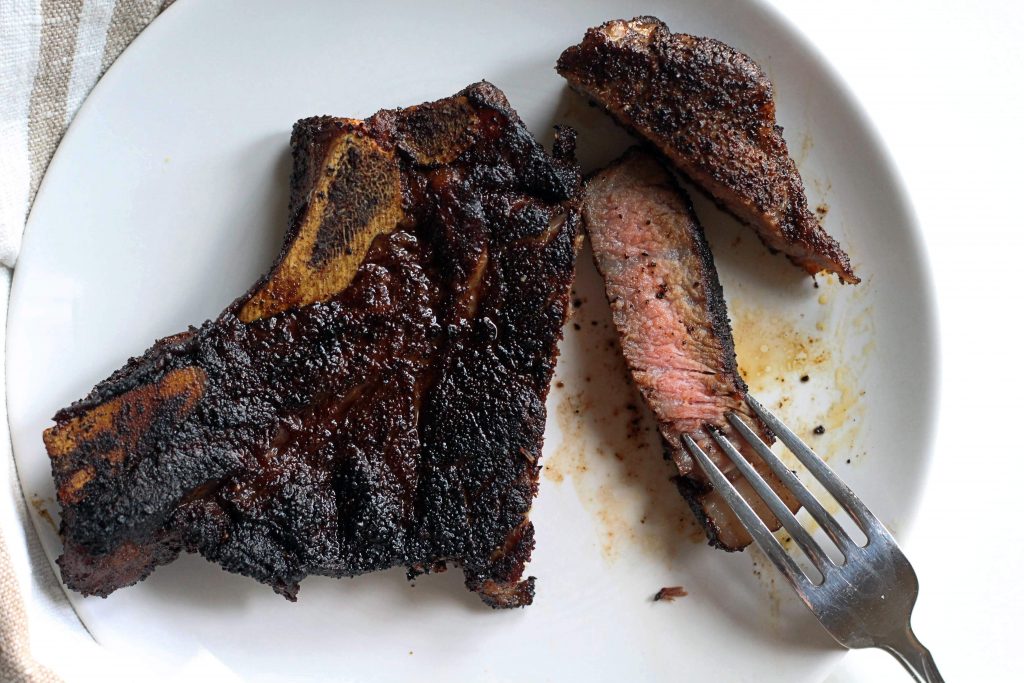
(709, 109)
(376, 400)
(668, 308)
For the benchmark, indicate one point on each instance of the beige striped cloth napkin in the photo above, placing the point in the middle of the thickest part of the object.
(52, 53)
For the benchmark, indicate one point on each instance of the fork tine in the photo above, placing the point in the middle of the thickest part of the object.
(868, 523)
(791, 482)
(775, 504)
(760, 533)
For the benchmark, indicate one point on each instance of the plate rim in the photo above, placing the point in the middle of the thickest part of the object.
(929, 322)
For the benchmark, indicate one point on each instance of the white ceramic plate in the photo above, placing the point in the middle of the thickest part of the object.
(167, 198)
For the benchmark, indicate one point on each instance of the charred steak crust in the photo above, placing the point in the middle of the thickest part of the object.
(714, 295)
(376, 400)
(710, 110)
(669, 309)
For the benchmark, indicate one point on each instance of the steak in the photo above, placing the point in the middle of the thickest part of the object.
(376, 400)
(710, 110)
(668, 308)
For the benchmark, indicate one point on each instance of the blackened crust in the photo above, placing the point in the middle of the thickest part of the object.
(376, 400)
(709, 109)
(717, 313)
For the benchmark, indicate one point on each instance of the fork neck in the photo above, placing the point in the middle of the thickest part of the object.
(915, 657)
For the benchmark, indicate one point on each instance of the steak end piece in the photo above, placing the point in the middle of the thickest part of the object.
(668, 308)
(376, 400)
(710, 110)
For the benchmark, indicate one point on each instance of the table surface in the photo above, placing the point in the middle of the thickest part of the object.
(939, 81)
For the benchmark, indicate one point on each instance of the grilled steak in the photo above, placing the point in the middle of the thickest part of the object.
(376, 400)
(668, 308)
(709, 109)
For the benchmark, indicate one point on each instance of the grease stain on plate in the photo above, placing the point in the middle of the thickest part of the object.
(809, 368)
(611, 451)
(40, 505)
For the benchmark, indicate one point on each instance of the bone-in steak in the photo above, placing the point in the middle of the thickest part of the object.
(668, 308)
(376, 400)
(710, 110)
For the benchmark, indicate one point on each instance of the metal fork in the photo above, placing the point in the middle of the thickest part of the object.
(866, 600)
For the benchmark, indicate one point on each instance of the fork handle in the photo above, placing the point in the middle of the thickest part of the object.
(914, 657)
